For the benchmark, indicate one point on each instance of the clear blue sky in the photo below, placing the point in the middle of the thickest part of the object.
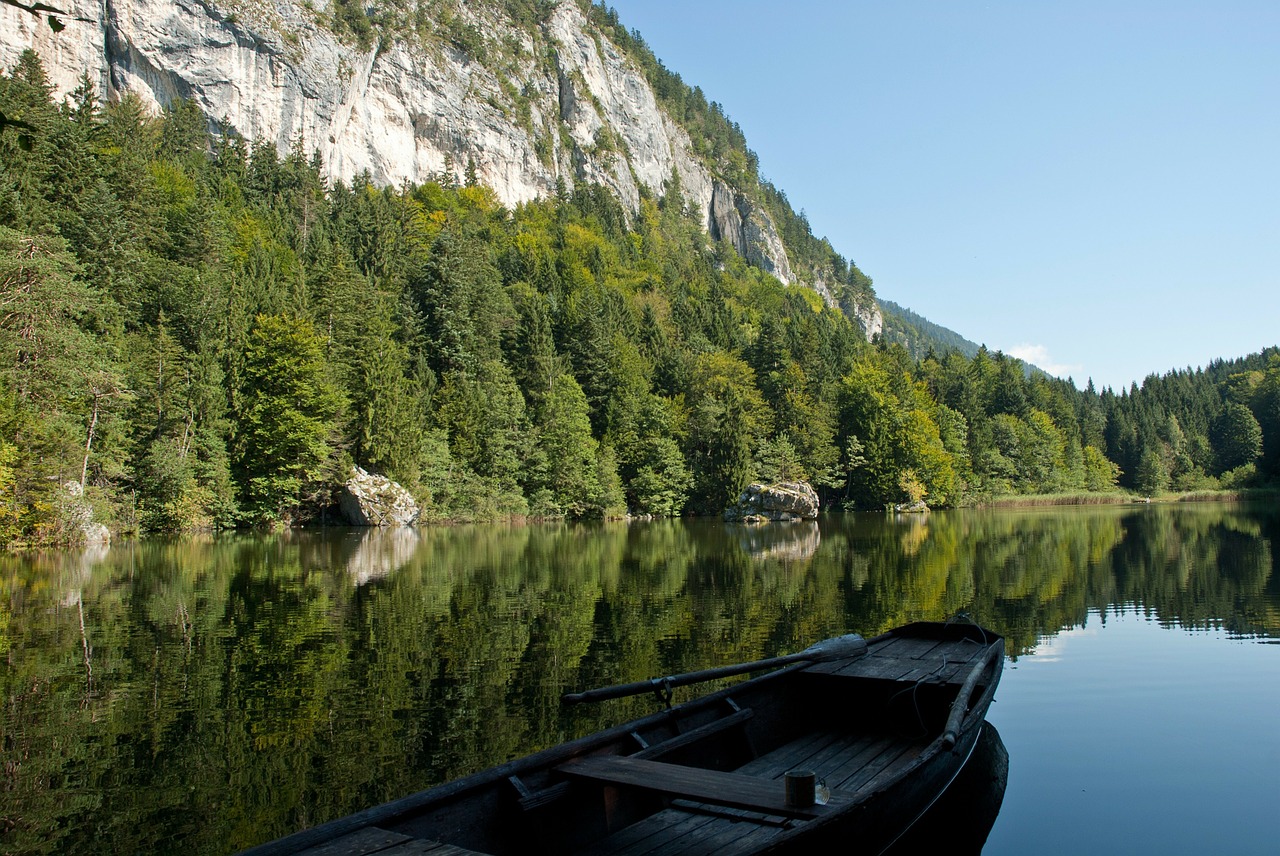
(1092, 185)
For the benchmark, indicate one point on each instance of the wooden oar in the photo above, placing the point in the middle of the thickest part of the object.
(837, 648)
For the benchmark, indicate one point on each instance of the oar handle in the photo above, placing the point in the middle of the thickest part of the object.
(851, 645)
(660, 684)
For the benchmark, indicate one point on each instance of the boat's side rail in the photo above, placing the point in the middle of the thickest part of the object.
(960, 706)
(695, 735)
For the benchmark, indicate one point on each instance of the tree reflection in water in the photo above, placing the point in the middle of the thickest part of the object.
(209, 693)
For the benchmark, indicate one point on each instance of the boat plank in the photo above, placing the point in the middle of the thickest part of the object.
(721, 834)
(912, 647)
(939, 672)
(888, 668)
(738, 831)
(419, 846)
(752, 841)
(837, 774)
(963, 651)
(653, 834)
(947, 665)
(731, 789)
(371, 839)
(790, 755)
(817, 761)
(882, 766)
(888, 647)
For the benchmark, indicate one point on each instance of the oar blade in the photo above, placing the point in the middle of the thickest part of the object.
(844, 647)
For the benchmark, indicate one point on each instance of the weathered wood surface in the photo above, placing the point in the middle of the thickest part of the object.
(695, 735)
(372, 840)
(908, 660)
(711, 786)
(848, 763)
(367, 840)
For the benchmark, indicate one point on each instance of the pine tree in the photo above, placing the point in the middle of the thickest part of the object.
(287, 424)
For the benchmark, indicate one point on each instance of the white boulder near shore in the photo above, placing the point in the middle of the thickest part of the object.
(77, 516)
(762, 503)
(369, 499)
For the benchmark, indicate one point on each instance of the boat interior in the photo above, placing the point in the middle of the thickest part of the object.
(708, 777)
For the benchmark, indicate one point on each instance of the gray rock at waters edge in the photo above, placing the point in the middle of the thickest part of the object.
(77, 517)
(761, 503)
(369, 499)
(917, 507)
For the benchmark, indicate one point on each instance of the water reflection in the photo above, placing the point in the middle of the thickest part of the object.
(380, 552)
(787, 542)
(207, 694)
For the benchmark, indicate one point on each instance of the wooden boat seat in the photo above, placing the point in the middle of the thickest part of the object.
(848, 763)
(735, 790)
(372, 840)
(532, 800)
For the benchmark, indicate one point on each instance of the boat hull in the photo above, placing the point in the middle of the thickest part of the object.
(888, 731)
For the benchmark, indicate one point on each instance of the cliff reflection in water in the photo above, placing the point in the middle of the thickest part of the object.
(210, 693)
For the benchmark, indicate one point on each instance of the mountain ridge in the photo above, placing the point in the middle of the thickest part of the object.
(530, 98)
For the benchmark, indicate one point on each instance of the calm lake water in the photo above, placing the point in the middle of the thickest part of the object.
(204, 695)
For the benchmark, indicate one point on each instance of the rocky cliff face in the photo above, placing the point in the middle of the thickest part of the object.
(536, 105)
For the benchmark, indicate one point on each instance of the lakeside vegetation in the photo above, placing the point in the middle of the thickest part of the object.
(203, 333)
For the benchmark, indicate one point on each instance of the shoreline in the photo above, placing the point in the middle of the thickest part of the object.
(1074, 499)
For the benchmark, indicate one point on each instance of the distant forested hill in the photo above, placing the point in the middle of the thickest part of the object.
(918, 334)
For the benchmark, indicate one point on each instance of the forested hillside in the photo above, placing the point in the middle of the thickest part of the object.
(1198, 428)
(204, 334)
(918, 334)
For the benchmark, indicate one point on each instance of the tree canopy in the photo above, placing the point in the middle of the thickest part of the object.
(205, 332)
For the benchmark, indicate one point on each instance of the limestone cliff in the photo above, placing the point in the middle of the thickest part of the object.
(447, 84)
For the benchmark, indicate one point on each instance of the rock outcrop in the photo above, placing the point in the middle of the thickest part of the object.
(530, 106)
(76, 517)
(867, 313)
(732, 218)
(916, 507)
(368, 499)
(761, 503)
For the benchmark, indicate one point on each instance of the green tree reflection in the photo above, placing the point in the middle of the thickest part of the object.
(205, 694)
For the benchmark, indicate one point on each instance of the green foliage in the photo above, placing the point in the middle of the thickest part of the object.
(284, 451)
(1237, 436)
(1201, 423)
(205, 332)
(1100, 475)
(563, 434)
(1152, 478)
(349, 16)
(920, 335)
(727, 418)
(662, 480)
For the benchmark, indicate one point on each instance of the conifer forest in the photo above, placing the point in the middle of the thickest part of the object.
(202, 334)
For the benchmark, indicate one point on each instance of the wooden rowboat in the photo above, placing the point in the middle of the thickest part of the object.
(886, 723)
